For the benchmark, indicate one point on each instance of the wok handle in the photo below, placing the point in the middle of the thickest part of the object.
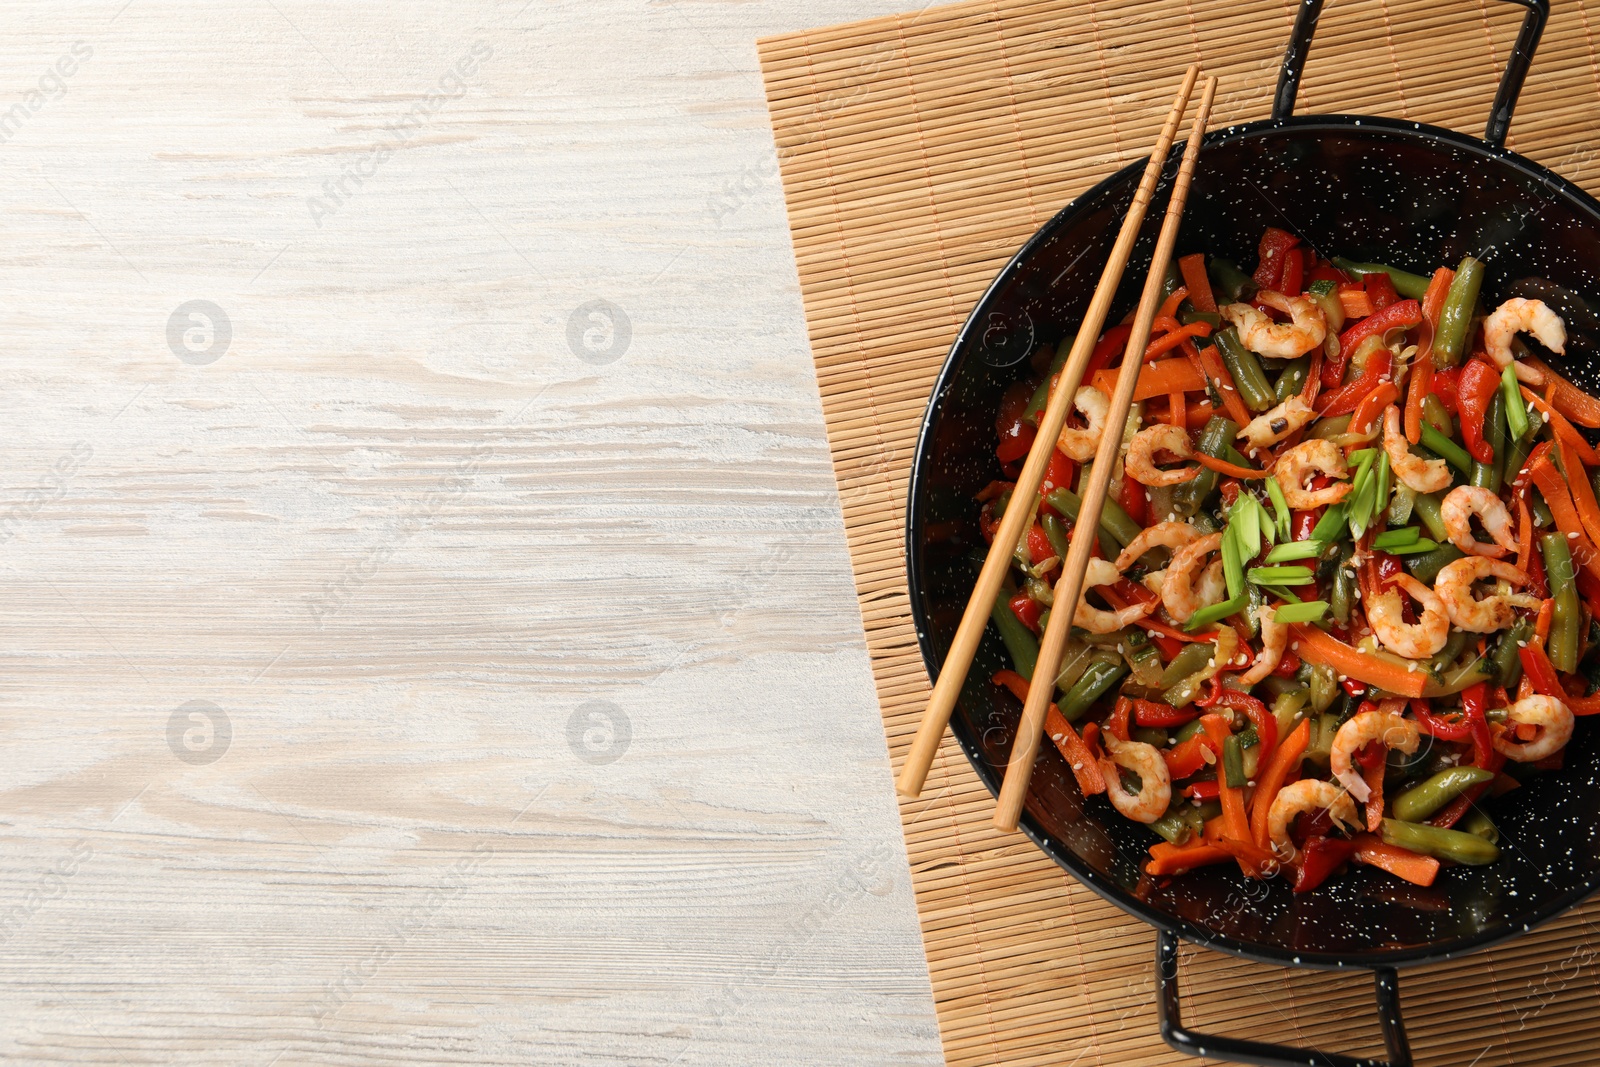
(1385, 984)
(1505, 99)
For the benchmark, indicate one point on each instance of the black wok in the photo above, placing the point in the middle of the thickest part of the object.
(1374, 189)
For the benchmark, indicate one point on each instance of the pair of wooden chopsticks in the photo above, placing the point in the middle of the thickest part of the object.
(1069, 587)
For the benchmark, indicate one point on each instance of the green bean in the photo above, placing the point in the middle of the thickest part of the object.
(1406, 284)
(1562, 644)
(1332, 307)
(1230, 281)
(1454, 454)
(1095, 683)
(1487, 475)
(1214, 439)
(1439, 843)
(1428, 508)
(1293, 378)
(1401, 506)
(1454, 319)
(1056, 531)
(1476, 821)
(1188, 730)
(1018, 639)
(1188, 316)
(1041, 392)
(1324, 685)
(1115, 525)
(1171, 281)
(1149, 735)
(1541, 510)
(1504, 661)
(1425, 798)
(1246, 370)
(1343, 594)
(1426, 567)
(1454, 643)
(1174, 826)
(1233, 762)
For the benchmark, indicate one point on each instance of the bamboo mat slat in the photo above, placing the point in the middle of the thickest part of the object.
(917, 153)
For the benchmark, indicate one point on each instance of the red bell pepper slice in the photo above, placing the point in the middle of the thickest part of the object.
(1111, 343)
(1320, 857)
(1185, 758)
(1446, 386)
(1380, 288)
(1269, 269)
(1059, 474)
(1344, 401)
(1210, 790)
(1039, 546)
(1439, 726)
(1292, 280)
(1473, 392)
(1155, 715)
(1014, 447)
(1541, 672)
(1404, 315)
(1117, 722)
(1132, 498)
(1027, 610)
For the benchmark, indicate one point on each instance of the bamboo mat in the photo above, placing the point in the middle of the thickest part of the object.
(917, 153)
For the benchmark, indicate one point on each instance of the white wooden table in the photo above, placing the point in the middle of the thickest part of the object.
(427, 632)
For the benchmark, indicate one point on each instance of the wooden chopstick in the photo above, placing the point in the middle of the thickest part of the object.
(1070, 586)
(953, 674)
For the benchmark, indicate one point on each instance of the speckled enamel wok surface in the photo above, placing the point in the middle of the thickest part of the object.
(1373, 189)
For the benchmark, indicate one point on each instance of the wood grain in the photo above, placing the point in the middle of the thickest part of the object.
(550, 736)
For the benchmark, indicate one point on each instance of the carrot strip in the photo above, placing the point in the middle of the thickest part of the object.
(1169, 306)
(1217, 373)
(1524, 533)
(1232, 470)
(1197, 282)
(1564, 431)
(1082, 761)
(1174, 338)
(1158, 379)
(1542, 621)
(1571, 401)
(1357, 304)
(1169, 859)
(1254, 859)
(1185, 758)
(1371, 405)
(1235, 822)
(1177, 411)
(1570, 519)
(1270, 779)
(1315, 646)
(1400, 862)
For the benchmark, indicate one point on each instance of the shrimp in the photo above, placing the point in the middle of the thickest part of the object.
(1273, 426)
(1274, 639)
(1173, 535)
(1552, 717)
(1393, 731)
(1467, 612)
(1081, 444)
(1458, 508)
(1288, 340)
(1417, 640)
(1298, 798)
(1305, 459)
(1099, 620)
(1155, 781)
(1417, 474)
(1212, 588)
(1518, 315)
(1141, 460)
(1178, 593)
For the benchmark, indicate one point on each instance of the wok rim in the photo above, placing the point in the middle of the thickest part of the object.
(1512, 925)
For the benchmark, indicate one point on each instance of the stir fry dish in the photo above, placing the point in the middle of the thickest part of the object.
(1346, 583)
